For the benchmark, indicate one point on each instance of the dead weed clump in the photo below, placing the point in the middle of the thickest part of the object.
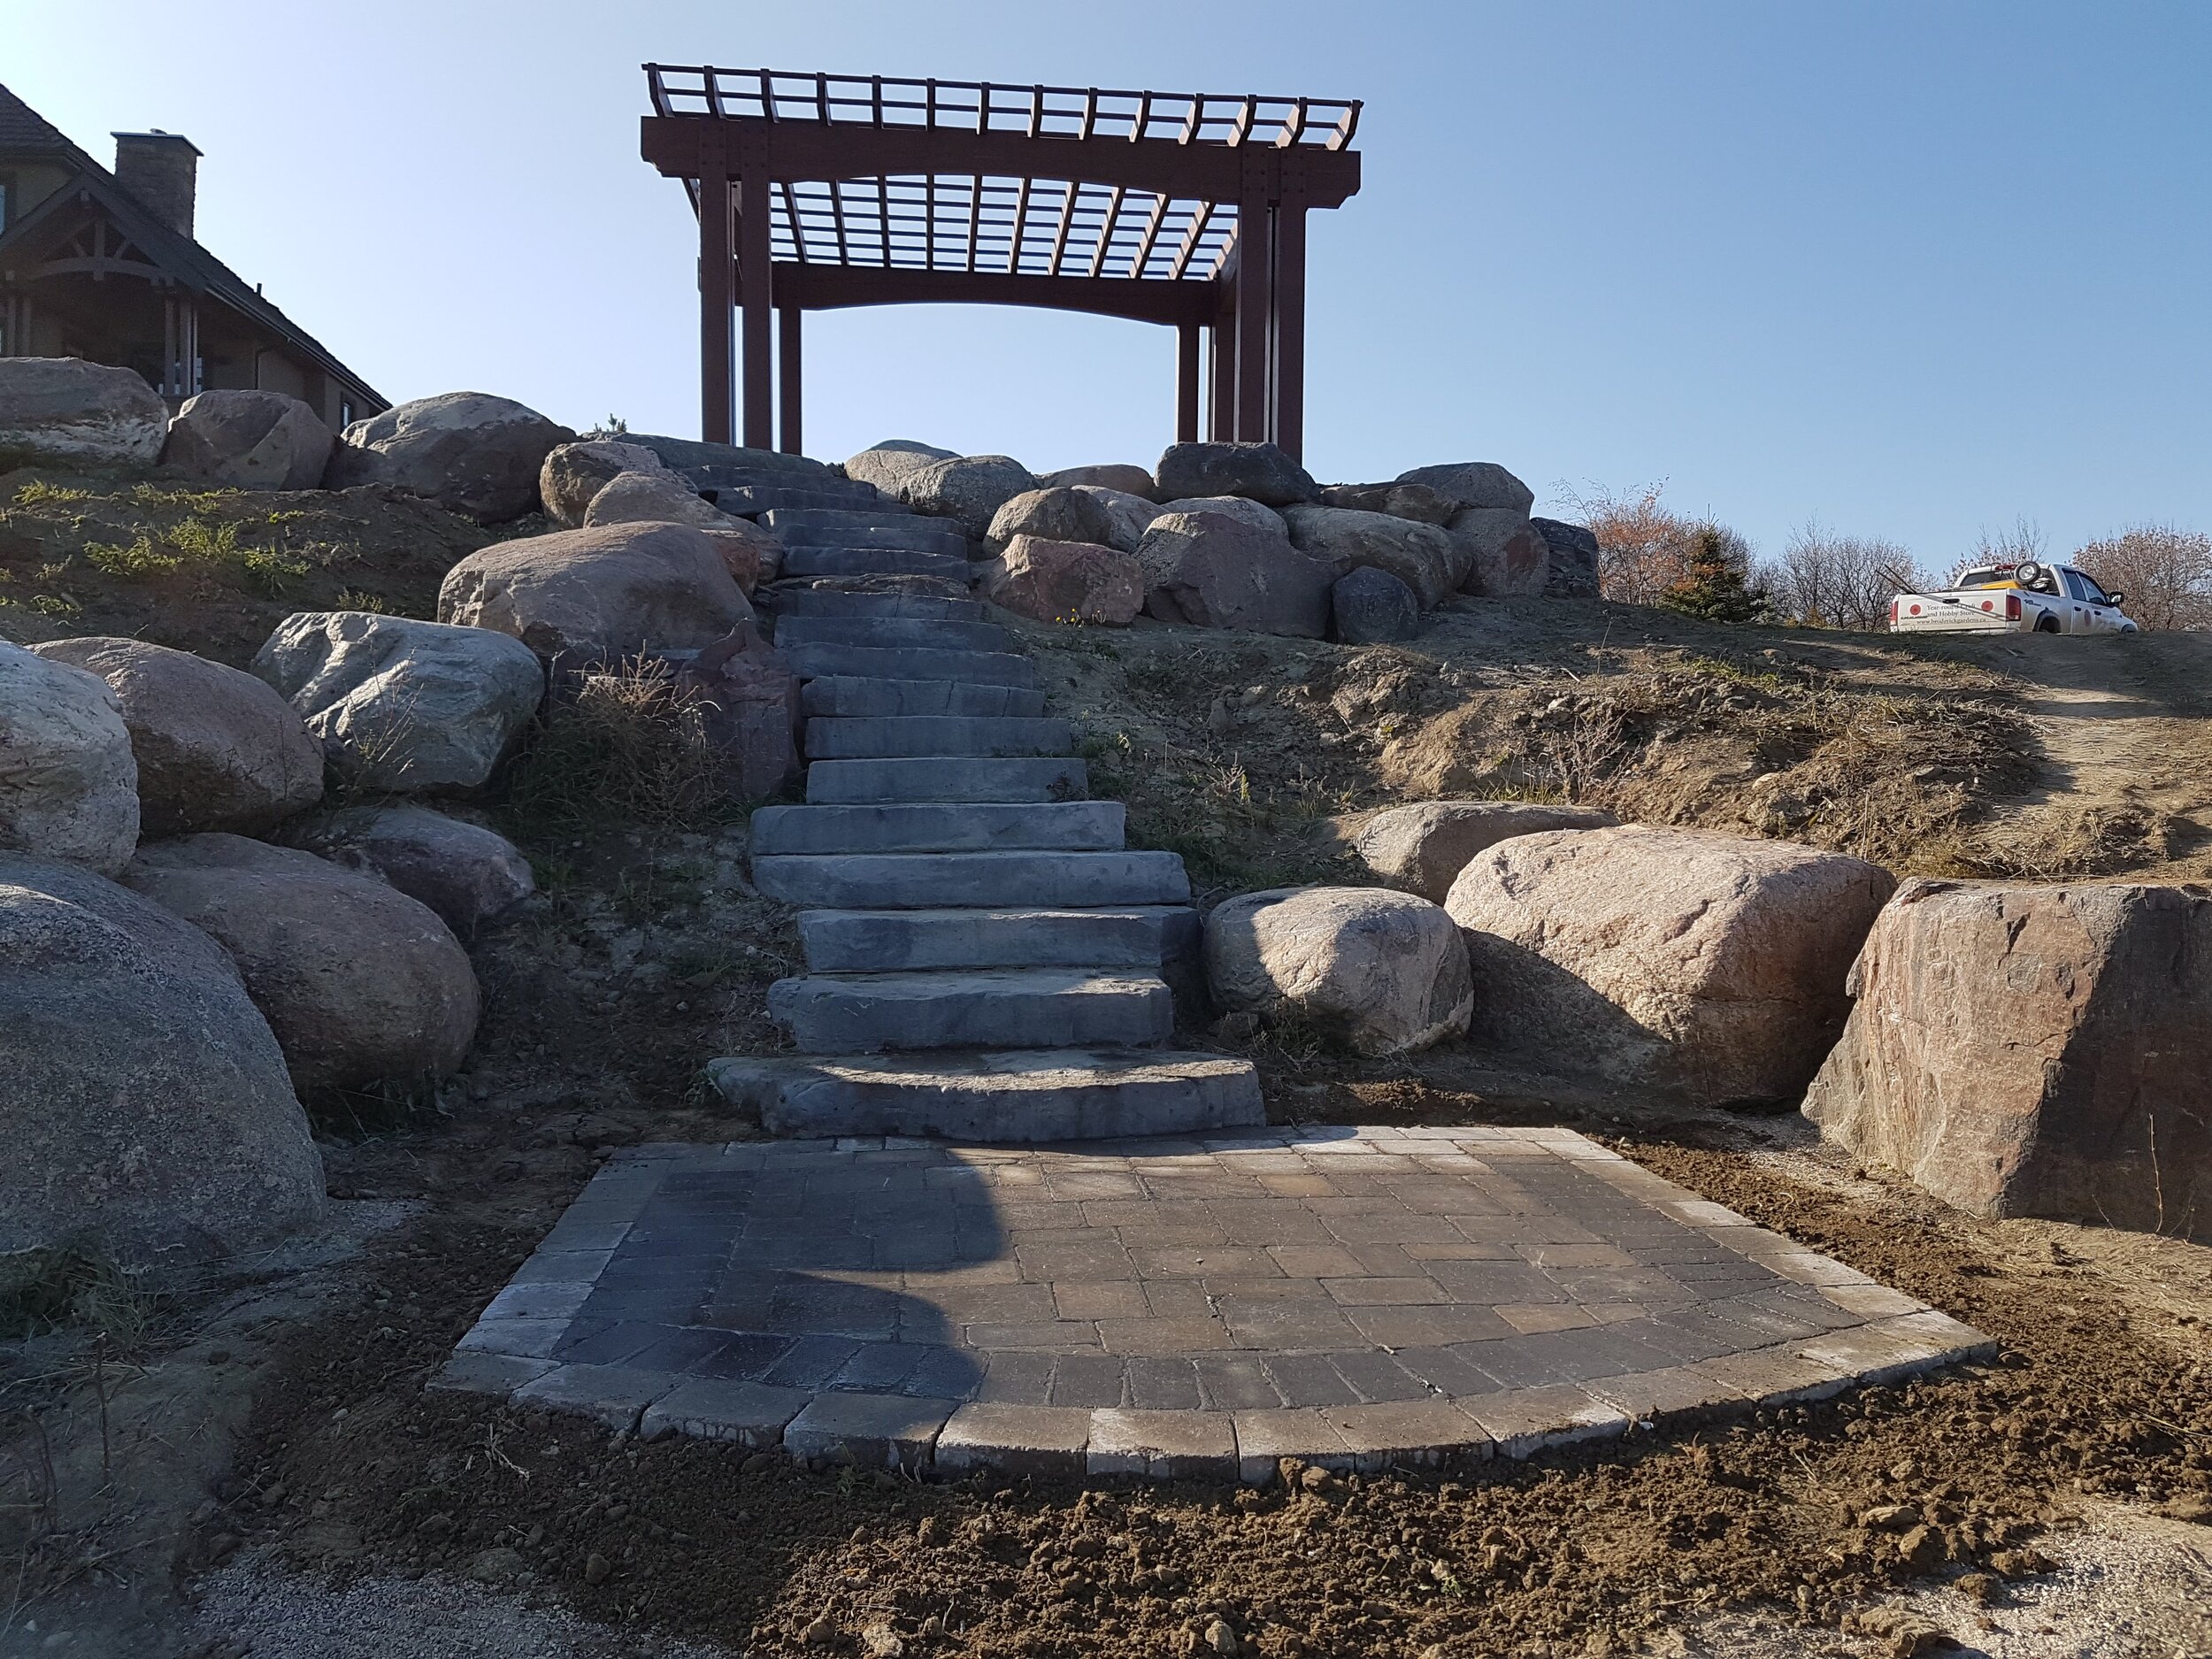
(628, 747)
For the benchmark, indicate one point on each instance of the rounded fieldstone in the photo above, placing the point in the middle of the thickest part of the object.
(1372, 607)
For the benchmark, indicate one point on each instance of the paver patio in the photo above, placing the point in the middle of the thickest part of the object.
(1203, 1306)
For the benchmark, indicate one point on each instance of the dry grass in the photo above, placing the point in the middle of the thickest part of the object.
(629, 747)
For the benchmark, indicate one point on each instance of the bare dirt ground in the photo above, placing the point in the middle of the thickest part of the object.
(248, 1462)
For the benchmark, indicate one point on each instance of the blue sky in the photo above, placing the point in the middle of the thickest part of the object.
(1910, 269)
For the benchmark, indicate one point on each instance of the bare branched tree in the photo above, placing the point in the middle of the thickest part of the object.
(2166, 573)
(1646, 551)
(2022, 542)
(1826, 580)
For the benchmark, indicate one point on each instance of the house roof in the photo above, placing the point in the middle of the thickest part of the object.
(179, 255)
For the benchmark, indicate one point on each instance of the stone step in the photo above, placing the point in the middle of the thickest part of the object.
(874, 561)
(932, 826)
(889, 632)
(749, 501)
(841, 695)
(1027, 1095)
(831, 526)
(894, 941)
(831, 601)
(1043, 1008)
(921, 734)
(911, 662)
(838, 782)
(930, 881)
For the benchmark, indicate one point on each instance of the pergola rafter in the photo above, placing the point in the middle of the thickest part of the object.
(821, 191)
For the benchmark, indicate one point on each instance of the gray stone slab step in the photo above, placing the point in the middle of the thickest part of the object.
(844, 495)
(874, 561)
(991, 1007)
(831, 601)
(1030, 1095)
(834, 782)
(932, 826)
(911, 662)
(842, 696)
(929, 881)
(749, 501)
(918, 734)
(814, 526)
(890, 515)
(892, 941)
(890, 633)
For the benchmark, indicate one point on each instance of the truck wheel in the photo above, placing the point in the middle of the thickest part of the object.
(2046, 625)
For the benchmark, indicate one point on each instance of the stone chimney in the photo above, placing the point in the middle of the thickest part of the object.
(162, 170)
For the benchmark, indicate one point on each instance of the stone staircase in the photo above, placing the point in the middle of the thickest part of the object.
(985, 958)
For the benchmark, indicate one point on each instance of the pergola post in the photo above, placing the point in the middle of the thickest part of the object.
(1290, 319)
(756, 291)
(1255, 303)
(1187, 380)
(1221, 401)
(787, 381)
(716, 266)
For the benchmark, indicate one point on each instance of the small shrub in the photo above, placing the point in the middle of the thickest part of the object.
(43, 1290)
(136, 561)
(627, 748)
(38, 493)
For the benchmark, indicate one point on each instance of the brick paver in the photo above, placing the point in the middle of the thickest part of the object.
(1351, 1296)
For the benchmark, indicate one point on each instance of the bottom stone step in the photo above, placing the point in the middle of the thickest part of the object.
(1030, 1095)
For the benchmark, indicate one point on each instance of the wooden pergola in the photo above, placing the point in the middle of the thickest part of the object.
(818, 191)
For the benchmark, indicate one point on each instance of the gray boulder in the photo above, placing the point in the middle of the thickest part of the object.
(1127, 516)
(1055, 515)
(1423, 557)
(1214, 571)
(1506, 558)
(572, 474)
(402, 705)
(217, 749)
(1417, 502)
(1571, 553)
(968, 488)
(1383, 972)
(749, 553)
(1681, 961)
(1423, 846)
(471, 876)
(469, 452)
(1474, 484)
(68, 781)
(1235, 507)
(888, 465)
(1065, 581)
(143, 1099)
(244, 439)
(77, 413)
(1128, 481)
(599, 594)
(362, 985)
(1372, 607)
(1258, 471)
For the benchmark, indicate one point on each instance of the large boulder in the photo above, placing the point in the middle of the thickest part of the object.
(143, 1099)
(572, 474)
(599, 594)
(1417, 502)
(1423, 846)
(217, 749)
(248, 441)
(888, 465)
(1673, 959)
(68, 781)
(1055, 515)
(663, 498)
(1371, 607)
(1258, 471)
(1383, 972)
(1571, 553)
(1505, 557)
(745, 691)
(1474, 484)
(471, 876)
(2035, 1051)
(79, 414)
(1128, 515)
(968, 488)
(1065, 581)
(469, 452)
(1423, 557)
(402, 705)
(1214, 571)
(1235, 507)
(362, 985)
(1127, 481)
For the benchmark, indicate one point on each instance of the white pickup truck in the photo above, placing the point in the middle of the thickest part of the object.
(2026, 598)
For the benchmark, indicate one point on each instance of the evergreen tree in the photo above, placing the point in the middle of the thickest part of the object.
(1714, 588)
